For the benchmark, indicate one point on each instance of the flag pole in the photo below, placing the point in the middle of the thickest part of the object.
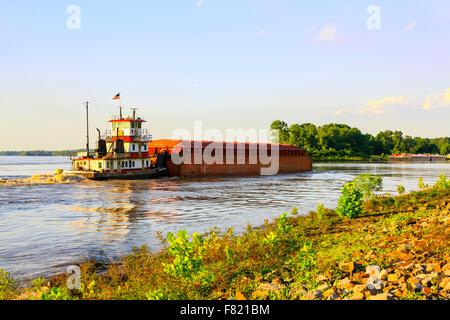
(120, 106)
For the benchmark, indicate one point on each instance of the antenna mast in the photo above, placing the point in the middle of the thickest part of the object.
(87, 129)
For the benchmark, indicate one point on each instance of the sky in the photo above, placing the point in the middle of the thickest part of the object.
(234, 64)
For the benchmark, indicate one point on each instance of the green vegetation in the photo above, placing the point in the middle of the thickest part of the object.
(340, 142)
(350, 203)
(316, 256)
(368, 184)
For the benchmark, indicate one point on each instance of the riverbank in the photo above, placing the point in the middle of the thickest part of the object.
(397, 249)
(349, 159)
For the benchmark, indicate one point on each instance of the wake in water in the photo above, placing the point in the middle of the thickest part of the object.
(50, 178)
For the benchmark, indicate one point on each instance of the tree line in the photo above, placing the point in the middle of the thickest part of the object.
(342, 141)
(41, 153)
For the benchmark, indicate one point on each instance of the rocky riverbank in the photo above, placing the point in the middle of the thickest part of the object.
(398, 248)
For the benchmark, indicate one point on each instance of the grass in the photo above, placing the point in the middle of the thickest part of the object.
(280, 260)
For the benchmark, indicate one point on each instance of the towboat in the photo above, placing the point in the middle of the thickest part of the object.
(121, 152)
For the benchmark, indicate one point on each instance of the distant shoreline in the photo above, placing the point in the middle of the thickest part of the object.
(41, 153)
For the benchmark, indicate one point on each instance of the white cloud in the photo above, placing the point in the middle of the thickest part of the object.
(199, 3)
(261, 32)
(328, 33)
(440, 100)
(379, 106)
(342, 111)
(410, 26)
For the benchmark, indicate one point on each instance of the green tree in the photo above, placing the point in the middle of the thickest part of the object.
(282, 129)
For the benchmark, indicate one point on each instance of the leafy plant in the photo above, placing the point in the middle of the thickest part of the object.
(56, 294)
(401, 189)
(350, 203)
(7, 285)
(321, 211)
(188, 254)
(283, 227)
(442, 183)
(368, 184)
(421, 184)
(155, 295)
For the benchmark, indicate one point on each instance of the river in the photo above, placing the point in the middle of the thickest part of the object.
(45, 228)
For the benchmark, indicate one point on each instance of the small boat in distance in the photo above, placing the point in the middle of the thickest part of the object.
(121, 153)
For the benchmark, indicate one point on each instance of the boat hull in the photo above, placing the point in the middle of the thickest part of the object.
(135, 175)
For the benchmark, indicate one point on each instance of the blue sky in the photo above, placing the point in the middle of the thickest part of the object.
(231, 64)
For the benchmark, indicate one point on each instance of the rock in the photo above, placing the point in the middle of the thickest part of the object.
(383, 274)
(323, 287)
(404, 248)
(359, 288)
(345, 284)
(371, 288)
(296, 293)
(393, 277)
(357, 296)
(328, 292)
(333, 296)
(373, 271)
(377, 283)
(348, 267)
(399, 293)
(415, 284)
(437, 267)
(264, 289)
(382, 296)
(427, 281)
(426, 291)
(321, 278)
(314, 295)
(446, 269)
(445, 284)
(240, 296)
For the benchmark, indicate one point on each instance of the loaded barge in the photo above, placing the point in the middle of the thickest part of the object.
(127, 151)
(417, 158)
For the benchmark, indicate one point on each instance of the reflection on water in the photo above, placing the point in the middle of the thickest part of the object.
(45, 227)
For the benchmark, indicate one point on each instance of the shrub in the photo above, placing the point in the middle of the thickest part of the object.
(56, 294)
(401, 189)
(321, 211)
(442, 183)
(283, 227)
(422, 185)
(188, 254)
(368, 184)
(7, 285)
(350, 203)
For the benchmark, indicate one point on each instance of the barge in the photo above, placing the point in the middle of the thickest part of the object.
(288, 158)
(416, 158)
(127, 151)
